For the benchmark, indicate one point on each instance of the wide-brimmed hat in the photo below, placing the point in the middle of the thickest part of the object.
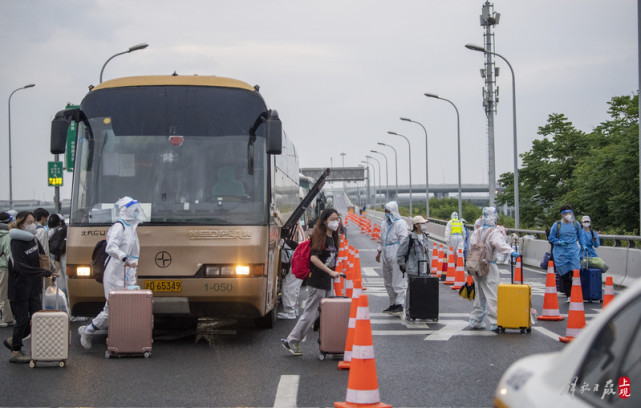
(418, 220)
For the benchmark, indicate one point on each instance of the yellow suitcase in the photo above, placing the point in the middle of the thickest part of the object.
(514, 305)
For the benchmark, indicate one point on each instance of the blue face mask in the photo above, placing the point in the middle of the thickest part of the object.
(389, 216)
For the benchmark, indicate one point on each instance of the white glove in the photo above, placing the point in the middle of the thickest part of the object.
(132, 263)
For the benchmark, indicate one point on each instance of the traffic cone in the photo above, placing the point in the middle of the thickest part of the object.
(338, 287)
(362, 385)
(357, 268)
(444, 265)
(451, 268)
(608, 295)
(576, 314)
(459, 274)
(434, 268)
(551, 300)
(518, 275)
(439, 265)
(347, 356)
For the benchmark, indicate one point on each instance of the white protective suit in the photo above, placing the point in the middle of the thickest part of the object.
(122, 242)
(485, 303)
(456, 238)
(393, 231)
(291, 284)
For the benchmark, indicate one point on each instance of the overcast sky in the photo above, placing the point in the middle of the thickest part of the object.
(340, 73)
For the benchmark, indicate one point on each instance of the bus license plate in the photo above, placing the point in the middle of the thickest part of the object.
(164, 285)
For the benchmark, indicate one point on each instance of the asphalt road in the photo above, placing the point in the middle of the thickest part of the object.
(424, 364)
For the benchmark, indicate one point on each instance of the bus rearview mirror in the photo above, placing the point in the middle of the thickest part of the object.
(274, 133)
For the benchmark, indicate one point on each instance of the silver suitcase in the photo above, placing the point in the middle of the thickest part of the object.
(49, 336)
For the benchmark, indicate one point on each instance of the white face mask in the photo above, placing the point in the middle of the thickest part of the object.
(586, 224)
(30, 228)
(568, 217)
(333, 225)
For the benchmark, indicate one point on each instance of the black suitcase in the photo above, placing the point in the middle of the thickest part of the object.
(422, 295)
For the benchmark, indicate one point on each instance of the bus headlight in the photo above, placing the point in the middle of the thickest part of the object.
(211, 270)
(226, 270)
(83, 271)
(242, 270)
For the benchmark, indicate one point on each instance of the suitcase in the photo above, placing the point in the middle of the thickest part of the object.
(422, 295)
(49, 335)
(591, 284)
(514, 305)
(334, 319)
(131, 322)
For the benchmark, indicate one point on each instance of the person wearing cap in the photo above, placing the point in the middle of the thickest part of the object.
(394, 230)
(6, 316)
(454, 234)
(414, 248)
(592, 241)
(564, 236)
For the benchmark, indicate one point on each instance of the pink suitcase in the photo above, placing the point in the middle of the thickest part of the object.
(131, 322)
(334, 319)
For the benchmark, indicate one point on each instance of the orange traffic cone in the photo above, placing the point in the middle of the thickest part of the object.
(518, 276)
(347, 356)
(608, 295)
(459, 274)
(362, 385)
(434, 268)
(338, 287)
(551, 300)
(439, 264)
(450, 279)
(576, 314)
(444, 265)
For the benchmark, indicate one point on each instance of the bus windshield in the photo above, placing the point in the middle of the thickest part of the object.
(184, 155)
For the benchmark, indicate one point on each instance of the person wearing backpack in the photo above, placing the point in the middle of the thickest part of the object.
(564, 235)
(325, 242)
(292, 283)
(58, 248)
(394, 230)
(120, 273)
(414, 248)
(592, 241)
(6, 316)
(490, 240)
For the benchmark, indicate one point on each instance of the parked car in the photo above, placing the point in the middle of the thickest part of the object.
(600, 367)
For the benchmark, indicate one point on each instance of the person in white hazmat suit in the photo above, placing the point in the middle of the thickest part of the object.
(484, 310)
(455, 235)
(291, 284)
(394, 230)
(120, 273)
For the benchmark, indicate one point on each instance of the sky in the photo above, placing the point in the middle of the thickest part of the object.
(340, 72)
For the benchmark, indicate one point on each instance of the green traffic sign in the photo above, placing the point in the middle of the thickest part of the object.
(54, 173)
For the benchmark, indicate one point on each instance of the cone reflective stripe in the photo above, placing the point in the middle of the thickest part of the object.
(444, 263)
(518, 276)
(608, 295)
(362, 385)
(351, 326)
(349, 284)
(449, 280)
(434, 268)
(357, 265)
(576, 314)
(459, 274)
(551, 300)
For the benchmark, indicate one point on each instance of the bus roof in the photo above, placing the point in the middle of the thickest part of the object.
(192, 80)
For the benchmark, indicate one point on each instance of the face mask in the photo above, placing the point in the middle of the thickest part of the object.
(136, 212)
(568, 217)
(388, 216)
(586, 224)
(333, 225)
(30, 228)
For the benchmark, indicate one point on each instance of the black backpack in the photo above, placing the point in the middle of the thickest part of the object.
(58, 242)
(100, 258)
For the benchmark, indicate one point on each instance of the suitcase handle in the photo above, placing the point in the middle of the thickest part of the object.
(419, 266)
(512, 270)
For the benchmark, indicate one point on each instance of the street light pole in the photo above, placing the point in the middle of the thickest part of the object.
(427, 184)
(379, 171)
(368, 193)
(387, 196)
(458, 139)
(132, 48)
(409, 150)
(395, 163)
(516, 157)
(9, 121)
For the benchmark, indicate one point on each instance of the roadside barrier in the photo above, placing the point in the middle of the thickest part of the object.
(576, 314)
(608, 295)
(551, 300)
(347, 356)
(362, 385)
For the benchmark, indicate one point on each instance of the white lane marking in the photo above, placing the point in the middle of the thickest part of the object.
(547, 332)
(453, 327)
(369, 271)
(402, 332)
(287, 391)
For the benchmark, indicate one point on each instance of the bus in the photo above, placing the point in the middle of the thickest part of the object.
(217, 179)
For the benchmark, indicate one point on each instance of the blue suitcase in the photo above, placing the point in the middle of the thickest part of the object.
(591, 284)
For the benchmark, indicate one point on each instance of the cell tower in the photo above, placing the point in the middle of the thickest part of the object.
(489, 18)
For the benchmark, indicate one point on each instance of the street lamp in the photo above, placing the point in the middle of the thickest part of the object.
(386, 174)
(427, 184)
(395, 163)
(379, 171)
(368, 193)
(10, 179)
(409, 150)
(458, 139)
(516, 162)
(132, 48)
(343, 159)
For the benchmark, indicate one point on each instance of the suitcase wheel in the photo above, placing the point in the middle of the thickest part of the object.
(522, 330)
(61, 363)
(147, 354)
(502, 329)
(321, 356)
(32, 363)
(528, 330)
(107, 354)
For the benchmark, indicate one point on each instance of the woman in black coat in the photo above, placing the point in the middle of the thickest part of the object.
(25, 276)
